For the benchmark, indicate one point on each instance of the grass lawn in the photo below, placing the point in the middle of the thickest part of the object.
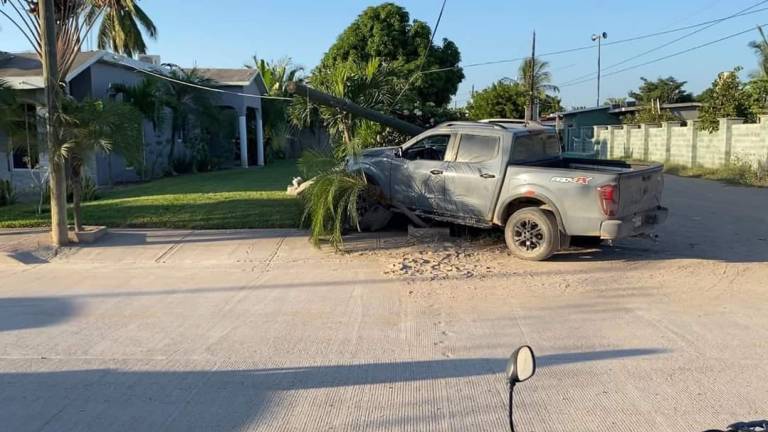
(236, 198)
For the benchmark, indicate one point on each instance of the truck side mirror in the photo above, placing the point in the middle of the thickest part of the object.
(399, 152)
(521, 364)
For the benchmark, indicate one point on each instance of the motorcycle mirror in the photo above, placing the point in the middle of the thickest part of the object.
(521, 364)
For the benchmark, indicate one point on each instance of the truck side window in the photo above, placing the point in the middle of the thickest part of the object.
(477, 148)
(536, 147)
(430, 148)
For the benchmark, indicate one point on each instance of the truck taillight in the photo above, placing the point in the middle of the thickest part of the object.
(609, 199)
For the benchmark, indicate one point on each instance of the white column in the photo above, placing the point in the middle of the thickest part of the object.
(259, 139)
(243, 142)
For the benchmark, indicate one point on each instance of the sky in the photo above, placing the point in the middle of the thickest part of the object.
(227, 33)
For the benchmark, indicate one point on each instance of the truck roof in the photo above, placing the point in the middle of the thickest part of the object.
(509, 125)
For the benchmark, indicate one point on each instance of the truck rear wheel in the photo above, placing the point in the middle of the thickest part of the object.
(531, 234)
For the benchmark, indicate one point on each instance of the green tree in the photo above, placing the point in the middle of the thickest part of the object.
(725, 98)
(616, 101)
(665, 90)
(386, 32)
(761, 50)
(503, 99)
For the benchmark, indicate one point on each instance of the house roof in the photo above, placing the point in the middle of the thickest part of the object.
(582, 110)
(230, 77)
(675, 106)
(25, 71)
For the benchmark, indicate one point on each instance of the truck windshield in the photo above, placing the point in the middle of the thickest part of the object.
(535, 147)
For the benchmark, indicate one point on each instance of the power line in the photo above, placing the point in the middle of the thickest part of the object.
(590, 47)
(685, 51)
(664, 45)
(167, 78)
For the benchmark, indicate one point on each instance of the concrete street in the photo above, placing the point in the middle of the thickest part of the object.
(154, 330)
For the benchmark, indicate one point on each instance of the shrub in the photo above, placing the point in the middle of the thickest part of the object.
(182, 165)
(331, 204)
(7, 194)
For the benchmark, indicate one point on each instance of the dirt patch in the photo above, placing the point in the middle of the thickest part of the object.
(446, 260)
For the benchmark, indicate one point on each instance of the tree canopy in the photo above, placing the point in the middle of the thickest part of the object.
(507, 99)
(725, 98)
(386, 32)
(665, 90)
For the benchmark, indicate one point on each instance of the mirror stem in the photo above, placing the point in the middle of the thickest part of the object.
(511, 404)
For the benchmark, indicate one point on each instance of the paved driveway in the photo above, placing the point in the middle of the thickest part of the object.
(256, 330)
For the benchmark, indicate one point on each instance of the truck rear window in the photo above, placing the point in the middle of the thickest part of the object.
(535, 147)
(477, 148)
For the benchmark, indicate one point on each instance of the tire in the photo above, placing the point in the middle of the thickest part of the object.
(532, 234)
(371, 215)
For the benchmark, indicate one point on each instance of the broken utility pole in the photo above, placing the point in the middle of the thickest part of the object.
(318, 97)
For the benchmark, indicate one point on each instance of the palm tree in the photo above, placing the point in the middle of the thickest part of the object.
(542, 78)
(185, 102)
(122, 27)
(121, 21)
(147, 97)
(276, 76)
(761, 49)
(85, 131)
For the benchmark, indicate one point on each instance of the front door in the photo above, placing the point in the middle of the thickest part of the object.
(473, 178)
(417, 178)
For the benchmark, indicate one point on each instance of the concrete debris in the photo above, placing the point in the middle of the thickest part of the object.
(445, 260)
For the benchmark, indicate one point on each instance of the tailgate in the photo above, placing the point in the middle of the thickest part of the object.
(640, 190)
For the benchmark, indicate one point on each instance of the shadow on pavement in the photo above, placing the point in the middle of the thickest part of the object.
(215, 399)
(33, 312)
(749, 426)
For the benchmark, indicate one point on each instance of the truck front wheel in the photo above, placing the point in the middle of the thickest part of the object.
(531, 234)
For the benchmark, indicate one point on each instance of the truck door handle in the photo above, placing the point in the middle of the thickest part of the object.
(436, 172)
(487, 175)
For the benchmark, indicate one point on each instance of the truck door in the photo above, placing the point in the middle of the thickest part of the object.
(417, 178)
(472, 179)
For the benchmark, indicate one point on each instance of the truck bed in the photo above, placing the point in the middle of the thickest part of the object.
(595, 165)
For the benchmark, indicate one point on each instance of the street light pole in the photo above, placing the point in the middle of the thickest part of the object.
(599, 38)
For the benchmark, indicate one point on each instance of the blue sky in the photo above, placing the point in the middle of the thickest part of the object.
(226, 33)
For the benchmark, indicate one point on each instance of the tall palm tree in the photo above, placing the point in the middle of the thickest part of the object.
(74, 20)
(542, 78)
(761, 49)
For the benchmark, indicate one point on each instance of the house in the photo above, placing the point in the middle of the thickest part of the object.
(92, 76)
(577, 126)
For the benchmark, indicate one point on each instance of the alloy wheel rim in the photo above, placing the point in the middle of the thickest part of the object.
(528, 235)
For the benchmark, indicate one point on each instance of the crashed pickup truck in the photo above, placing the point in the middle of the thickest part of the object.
(504, 174)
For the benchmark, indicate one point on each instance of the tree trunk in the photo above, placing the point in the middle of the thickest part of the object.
(59, 227)
(77, 193)
(58, 182)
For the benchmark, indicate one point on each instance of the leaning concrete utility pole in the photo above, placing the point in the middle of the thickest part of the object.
(58, 180)
(318, 97)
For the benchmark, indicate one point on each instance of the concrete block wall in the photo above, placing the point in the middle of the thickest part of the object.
(686, 145)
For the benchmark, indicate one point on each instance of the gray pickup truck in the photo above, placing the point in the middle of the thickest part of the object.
(499, 173)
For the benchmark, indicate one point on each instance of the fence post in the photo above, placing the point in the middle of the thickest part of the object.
(694, 126)
(644, 129)
(763, 120)
(627, 139)
(726, 132)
